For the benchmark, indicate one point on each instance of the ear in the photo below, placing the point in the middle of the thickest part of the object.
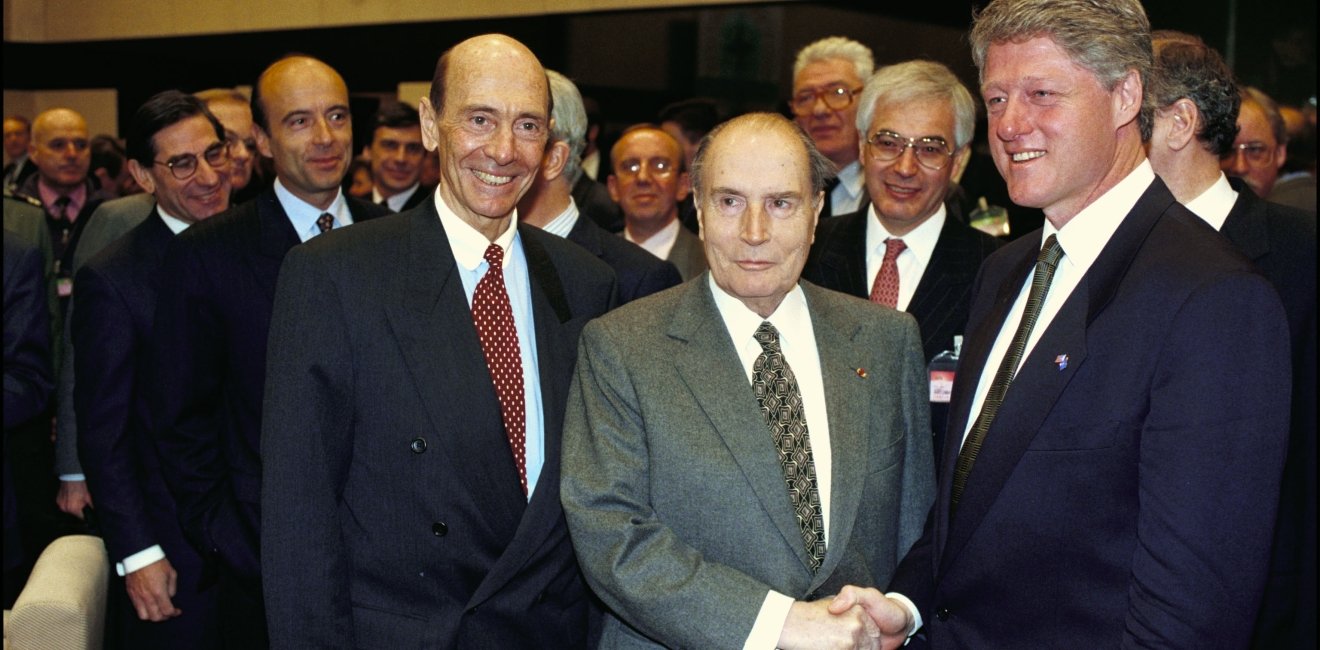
(612, 184)
(263, 141)
(960, 160)
(1184, 120)
(556, 158)
(430, 124)
(684, 185)
(1127, 96)
(144, 178)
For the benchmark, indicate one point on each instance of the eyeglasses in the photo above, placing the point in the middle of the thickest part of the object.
(932, 153)
(183, 167)
(836, 98)
(656, 167)
(1257, 153)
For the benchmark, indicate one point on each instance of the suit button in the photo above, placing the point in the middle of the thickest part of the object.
(942, 614)
(418, 445)
(440, 529)
(540, 598)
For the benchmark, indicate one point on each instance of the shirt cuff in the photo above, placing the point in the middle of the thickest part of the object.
(71, 478)
(769, 622)
(140, 559)
(912, 610)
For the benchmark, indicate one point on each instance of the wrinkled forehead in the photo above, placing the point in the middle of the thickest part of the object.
(755, 161)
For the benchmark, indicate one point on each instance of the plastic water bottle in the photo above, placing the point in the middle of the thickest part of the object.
(942, 370)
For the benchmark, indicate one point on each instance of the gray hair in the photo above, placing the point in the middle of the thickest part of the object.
(836, 47)
(568, 122)
(916, 81)
(1271, 110)
(1107, 37)
(820, 169)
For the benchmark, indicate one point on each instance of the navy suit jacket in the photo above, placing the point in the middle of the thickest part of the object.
(392, 514)
(110, 329)
(1281, 241)
(639, 273)
(208, 364)
(1126, 490)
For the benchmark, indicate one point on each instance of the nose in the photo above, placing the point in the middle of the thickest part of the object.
(755, 225)
(819, 107)
(322, 132)
(500, 146)
(208, 176)
(1011, 122)
(906, 165)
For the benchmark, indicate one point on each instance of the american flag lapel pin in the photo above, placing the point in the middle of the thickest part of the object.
(1061, 361)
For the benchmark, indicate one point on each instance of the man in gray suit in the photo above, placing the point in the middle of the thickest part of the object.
(742, 446)
(648, 181)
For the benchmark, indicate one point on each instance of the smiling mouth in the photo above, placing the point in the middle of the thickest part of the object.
(491, 179)
(1024, 156)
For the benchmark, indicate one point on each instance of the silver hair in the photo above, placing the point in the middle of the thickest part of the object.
(917, 81)
(568, 122)
(836, 47)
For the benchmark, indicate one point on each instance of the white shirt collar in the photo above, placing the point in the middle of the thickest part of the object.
(920, 240)
(303, 215)
(790, 316)
(1214, 204)
(467, 243)
(563, 224)
(175, 224)
(395, 202)
(661, 243)
(1086, 234)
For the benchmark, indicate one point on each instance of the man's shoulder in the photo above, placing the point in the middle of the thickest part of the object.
(574, 263)
(849, 223)
(964, 237)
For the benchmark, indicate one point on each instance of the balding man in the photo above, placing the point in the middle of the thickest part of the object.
(207, 360)
(418, 372)
(549, 204)
(739, 448)
(648, 180)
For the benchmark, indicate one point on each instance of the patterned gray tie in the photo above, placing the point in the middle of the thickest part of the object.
(781, 403)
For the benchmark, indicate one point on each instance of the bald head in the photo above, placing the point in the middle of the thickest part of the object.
(60, 148)
(301, 107)
(484, 50)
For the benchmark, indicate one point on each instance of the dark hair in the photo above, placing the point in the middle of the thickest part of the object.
(1187, 67)
(107, 154)
(695, 117)
(396, 115)
(162, 110)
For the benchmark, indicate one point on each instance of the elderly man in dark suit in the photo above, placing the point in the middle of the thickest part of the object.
(904, 250)
(1195, 123)
(739, 448)
(177, 152)
(415, 397)
(208, 352)
(550, 206)
(1119, 423)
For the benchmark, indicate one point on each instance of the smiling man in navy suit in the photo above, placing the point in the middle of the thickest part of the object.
(1118, 426)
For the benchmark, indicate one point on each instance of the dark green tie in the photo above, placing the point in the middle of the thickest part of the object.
(1046, 262)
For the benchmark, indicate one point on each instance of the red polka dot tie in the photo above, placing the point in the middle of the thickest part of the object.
(493, 317)
(885, 288)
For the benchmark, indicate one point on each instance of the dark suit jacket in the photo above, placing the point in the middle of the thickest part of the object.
(422, 194)
(110, 328)
(392, 515)
(1126, 497)
(208, 365)
(944, 294)
(1281, 241)
(594, 202)
(639, 273)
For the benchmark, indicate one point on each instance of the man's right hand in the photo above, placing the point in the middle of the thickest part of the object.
(151, 589)
(817, 625)
(889, 616)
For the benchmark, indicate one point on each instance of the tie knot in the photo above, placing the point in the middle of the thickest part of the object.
(767, 336)
(893, 247)
(1050, 252)
(325, 222)
(494, 256)
(63, 202)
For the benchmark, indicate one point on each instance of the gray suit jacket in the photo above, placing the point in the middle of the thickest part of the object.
(688, 254)
(111, 220)
(674, 495)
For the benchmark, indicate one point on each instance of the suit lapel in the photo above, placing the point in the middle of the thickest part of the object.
(843, 261)
(953, 264)
(1040, 381)
(849, 415)
(1245, 225)
(275, 237)
(709, 366)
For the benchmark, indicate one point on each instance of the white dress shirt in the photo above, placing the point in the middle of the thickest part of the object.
(847, 195)
(912, 261)
(661, 243)
(469, 248)
(797, 340)
(303, 215)
(1214, 204)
